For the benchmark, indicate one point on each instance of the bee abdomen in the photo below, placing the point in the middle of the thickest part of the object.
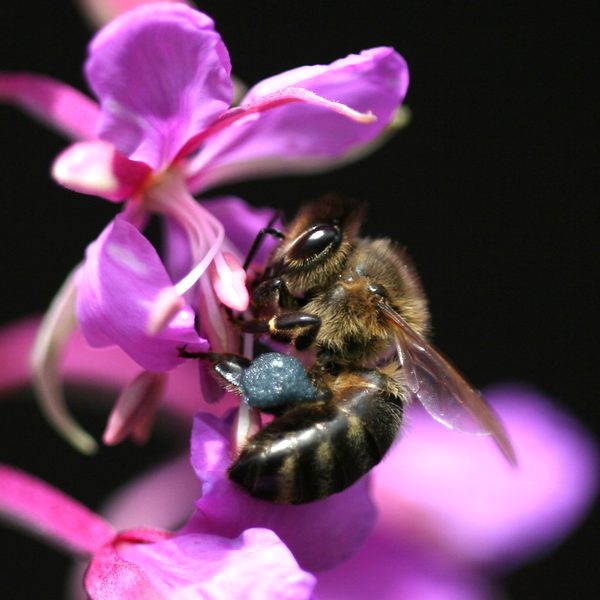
(317, 449)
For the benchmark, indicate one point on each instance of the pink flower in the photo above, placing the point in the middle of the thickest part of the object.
(342, 522)
(162, 131)
(452, 517)
(154, 564)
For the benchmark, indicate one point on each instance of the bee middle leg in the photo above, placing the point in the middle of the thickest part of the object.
(299, 327)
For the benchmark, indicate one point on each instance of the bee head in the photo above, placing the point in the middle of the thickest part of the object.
(318, 242)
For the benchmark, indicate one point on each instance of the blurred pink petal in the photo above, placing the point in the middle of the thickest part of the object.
(58, 105)
(154, 564)
(395, 568)
(176, 252)
(44, 510)
(163, 497)
(16, 342)
(56, 327)
(137, 404)
(107, 367)
(456, 489)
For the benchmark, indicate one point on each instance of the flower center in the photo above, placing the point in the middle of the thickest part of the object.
(209, 249)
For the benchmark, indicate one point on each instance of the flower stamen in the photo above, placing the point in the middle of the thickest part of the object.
(57, 325)
(134, 411)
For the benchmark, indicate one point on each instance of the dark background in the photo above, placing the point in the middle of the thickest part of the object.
(491, 187)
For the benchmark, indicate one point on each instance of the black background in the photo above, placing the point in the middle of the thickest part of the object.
(491, 187)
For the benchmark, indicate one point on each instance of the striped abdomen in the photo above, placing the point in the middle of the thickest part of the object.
(317, 449)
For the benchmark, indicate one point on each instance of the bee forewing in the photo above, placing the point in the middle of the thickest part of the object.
(442, 390)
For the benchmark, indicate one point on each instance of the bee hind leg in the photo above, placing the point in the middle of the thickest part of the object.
(228, 366)
(319, 448)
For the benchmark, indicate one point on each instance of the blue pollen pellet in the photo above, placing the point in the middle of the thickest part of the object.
(274, 379)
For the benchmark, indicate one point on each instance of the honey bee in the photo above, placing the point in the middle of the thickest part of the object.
(359, 305)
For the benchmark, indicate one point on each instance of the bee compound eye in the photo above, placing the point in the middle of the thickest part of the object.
(377, 289)
(315, 241)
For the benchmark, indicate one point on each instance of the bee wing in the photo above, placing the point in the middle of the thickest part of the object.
(442, 390)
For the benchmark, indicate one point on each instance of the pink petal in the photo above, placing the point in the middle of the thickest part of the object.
(111, 577)
(276, 99)
(44, 510)
(16, 342)
(320, 534)
(242, 223)
(458, 489)
(389, 568)
(177, 253)
(161, 73)
(117, 288)
(96, 168)
(214, 323)
(108, 367)
(254, 566)
(229, 281)
(100, 12)
(299, 137)
(149, 497)
(166, 306)
(138, 400)
(58, 105)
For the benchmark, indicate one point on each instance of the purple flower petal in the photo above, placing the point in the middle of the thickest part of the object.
(62, 107)
(108, 367)
(111, 577)
(398, 568)
(253, 566)
(117, 289)
(242, 223)
(148, 496)
(298, 137)
(320, 534)
(46, 511)
(177, 254)
(162, 74)
(133, 413)
(96, 168)
(458, 488)
(289, 95)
